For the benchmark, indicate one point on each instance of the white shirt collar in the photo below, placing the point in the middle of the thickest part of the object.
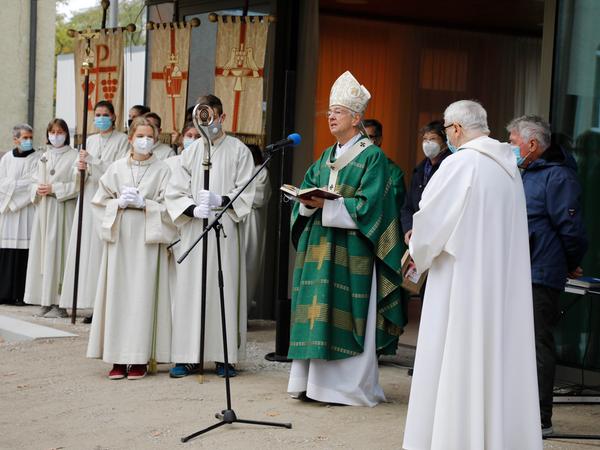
(341, 149)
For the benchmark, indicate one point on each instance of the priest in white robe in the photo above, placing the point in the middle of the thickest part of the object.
(131, 325)
(189, 134)
(102, 150)
(474, 385)
(188, 204)
(17, 169)
(53, 192)
(255, 230)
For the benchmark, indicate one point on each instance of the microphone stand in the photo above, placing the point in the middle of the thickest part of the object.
(206, 164)
(226, 416)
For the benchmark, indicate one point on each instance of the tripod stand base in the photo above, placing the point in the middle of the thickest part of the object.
(227, 416)
(274, 357)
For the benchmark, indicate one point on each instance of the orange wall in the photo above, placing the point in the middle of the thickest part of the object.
(375, 54)
(414, 72)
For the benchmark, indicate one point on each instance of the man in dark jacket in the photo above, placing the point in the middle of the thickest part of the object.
(557, 239)
(435, 150)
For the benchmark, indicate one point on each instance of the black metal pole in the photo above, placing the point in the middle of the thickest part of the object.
(175, 10)
(105, 5)
(283, 302)
(204, 264)
(223, 322)
(86, 93)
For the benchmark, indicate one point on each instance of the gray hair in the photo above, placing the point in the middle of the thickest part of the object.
(531, 127)
(18, 129)
(469, 114)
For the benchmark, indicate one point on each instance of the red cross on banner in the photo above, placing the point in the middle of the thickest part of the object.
(241, 48)
(106, 75)
(170, 65)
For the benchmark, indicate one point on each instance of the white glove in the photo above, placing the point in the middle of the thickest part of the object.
(210, 198)
(123, 201)
(202, 211)
(131, 197)
(136, 200)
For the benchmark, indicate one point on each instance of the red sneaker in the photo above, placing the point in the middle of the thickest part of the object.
(136, 371)
(118, 372)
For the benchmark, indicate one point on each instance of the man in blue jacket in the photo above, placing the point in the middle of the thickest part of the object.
(557, 239)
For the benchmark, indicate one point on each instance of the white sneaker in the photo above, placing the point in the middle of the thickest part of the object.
(56, 313)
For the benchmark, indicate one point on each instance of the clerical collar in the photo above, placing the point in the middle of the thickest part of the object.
(145, 162)
(24, 154)
(341, 149)
(62, 149)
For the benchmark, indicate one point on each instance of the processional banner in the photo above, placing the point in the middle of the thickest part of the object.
(106, 75)
(170, 46)
(240, 61)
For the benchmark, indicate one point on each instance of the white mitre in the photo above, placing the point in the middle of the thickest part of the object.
(348, 92)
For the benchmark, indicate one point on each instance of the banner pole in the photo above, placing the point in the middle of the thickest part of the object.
(86, 65)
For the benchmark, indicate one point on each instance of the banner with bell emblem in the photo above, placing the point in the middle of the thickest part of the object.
(106, 75)
(169, 65)
(240, 61)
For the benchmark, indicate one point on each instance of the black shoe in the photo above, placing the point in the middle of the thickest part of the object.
(19, 303)
(410, 372)
(87, 319)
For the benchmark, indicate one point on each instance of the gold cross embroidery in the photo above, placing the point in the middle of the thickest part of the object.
(320, 251)
(313, 312)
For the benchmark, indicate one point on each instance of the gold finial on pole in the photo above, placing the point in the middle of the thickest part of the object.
(88, 59)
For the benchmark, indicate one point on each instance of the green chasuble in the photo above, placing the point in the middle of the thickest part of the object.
(334, 266)
(397, 182)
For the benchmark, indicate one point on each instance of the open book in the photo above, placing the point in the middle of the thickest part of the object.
(294, 193)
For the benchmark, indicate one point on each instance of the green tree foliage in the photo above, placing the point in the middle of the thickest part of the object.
(130, 11)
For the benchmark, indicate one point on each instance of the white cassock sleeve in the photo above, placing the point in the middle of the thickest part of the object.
(306, 211)
(336, 215)
(440, 209)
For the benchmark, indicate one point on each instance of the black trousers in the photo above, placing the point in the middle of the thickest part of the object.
(13, 269)
(546, 312)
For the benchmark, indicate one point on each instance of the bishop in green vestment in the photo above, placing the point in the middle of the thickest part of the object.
(346, 298)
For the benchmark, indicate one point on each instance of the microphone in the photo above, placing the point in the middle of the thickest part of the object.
(292, 140)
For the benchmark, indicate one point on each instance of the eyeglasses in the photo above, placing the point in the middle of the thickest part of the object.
(451, 125)
(337, 112)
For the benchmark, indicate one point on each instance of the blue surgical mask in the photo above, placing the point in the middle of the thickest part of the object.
(103, 123)
(517, 151)
(451, 147)
(26, 145)
(187, 141)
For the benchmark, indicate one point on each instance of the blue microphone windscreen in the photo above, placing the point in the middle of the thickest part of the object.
(295, 138)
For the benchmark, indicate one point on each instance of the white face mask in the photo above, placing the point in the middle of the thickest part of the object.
(215, 129)
(57, 140)
(143, 145)
(431, 149)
